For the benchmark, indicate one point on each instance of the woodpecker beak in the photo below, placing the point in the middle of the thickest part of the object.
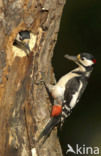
(72, 58)
(27, 48)
(23, 45)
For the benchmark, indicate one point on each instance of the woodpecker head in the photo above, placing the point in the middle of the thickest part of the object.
(84, 60)
(22, 41)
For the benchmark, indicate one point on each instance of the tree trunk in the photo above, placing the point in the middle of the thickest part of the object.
(24, 104)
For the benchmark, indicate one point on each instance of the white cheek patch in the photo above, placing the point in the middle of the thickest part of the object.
(86, 62)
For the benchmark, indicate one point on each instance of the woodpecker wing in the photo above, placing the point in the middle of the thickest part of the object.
(84, 81)
(73, 90)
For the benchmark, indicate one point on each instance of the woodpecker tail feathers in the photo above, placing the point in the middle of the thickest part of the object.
(47, 130)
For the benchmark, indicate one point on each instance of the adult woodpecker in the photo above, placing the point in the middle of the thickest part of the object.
(22, 41)
(68, 91)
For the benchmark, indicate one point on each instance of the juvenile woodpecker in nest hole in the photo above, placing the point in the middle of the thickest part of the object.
(22, 41)
(68, 91)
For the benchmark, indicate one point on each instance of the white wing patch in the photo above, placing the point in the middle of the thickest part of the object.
(75, 96)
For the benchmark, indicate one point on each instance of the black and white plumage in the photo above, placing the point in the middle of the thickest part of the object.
(22, 41)
(68, 90)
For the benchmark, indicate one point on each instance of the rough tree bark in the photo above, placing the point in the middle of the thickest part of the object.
(24, 104)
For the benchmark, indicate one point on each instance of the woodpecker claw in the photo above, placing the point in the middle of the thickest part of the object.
(40, 82)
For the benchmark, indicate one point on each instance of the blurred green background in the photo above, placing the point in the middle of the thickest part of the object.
(80, 31)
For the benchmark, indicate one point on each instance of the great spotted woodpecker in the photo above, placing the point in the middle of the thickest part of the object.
(68, 91)
(22, 41)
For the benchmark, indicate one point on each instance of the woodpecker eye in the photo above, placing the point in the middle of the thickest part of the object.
(82, 58)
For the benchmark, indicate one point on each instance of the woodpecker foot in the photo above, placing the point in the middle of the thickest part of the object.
(40, 82)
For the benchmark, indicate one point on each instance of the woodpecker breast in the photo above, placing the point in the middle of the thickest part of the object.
(59, 88)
